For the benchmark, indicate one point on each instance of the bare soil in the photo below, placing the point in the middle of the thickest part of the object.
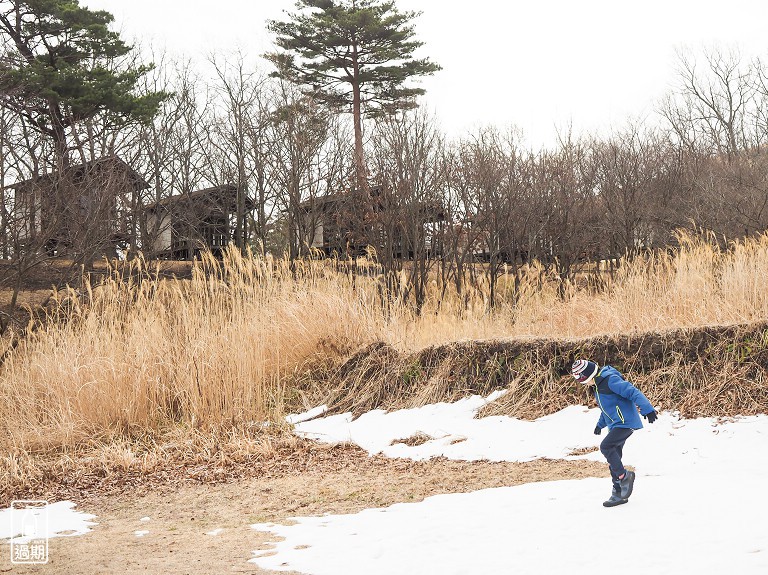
(181, 515)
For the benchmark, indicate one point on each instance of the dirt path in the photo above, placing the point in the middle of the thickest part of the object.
(180, 519)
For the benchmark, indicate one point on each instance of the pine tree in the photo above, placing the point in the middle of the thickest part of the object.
(352, 54)
(60, 65)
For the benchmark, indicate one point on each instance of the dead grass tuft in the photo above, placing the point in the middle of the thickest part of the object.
(710, 371)
(583, 451)
(414, 440)
(118, 467)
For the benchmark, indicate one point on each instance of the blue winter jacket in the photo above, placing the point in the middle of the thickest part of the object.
(617, 399)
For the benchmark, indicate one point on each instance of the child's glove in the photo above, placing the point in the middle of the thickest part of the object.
(651, 417)
(598, 429)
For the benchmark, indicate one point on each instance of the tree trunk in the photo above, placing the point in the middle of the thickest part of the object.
(357, 117)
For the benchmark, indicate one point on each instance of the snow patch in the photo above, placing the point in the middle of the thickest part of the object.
(695, 477)
(57, 519)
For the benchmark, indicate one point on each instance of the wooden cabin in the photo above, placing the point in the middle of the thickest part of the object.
(86, 208)
(347, 224)
(328, 225)
(183, 226)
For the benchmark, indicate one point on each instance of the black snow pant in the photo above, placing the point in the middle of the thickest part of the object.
(611, 448)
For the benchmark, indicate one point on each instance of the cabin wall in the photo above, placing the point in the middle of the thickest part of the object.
(162, 241)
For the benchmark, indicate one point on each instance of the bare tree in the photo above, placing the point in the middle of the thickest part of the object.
(240, 92)
(567, 181)
(627, 166)
(719, 115)
(300, 131)
(459, 238)
(712, 106)
(499, 202)
(175, 152)
(411, 215)
(6, 200)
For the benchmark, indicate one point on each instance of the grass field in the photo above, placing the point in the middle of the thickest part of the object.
(139, 365)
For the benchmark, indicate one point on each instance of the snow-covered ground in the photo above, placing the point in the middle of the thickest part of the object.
(699, 504)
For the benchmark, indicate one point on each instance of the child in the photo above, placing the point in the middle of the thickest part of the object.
(619, 402)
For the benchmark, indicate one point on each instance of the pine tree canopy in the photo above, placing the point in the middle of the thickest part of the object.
(61, 64)
(340, 49)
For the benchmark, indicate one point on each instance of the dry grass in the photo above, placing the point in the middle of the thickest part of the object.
(136, 354)
(243, 341)
(699, 284)
(708, 371)
(179, 458)
(414, 440)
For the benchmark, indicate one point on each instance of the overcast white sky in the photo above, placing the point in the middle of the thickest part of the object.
(538, 64)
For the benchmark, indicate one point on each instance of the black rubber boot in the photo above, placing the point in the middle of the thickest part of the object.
(614, 500)
(626, 484)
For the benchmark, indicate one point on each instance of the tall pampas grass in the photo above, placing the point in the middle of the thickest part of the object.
(138, 354)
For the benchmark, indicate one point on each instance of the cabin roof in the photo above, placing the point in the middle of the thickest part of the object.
(221, 196)
(79, 170)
